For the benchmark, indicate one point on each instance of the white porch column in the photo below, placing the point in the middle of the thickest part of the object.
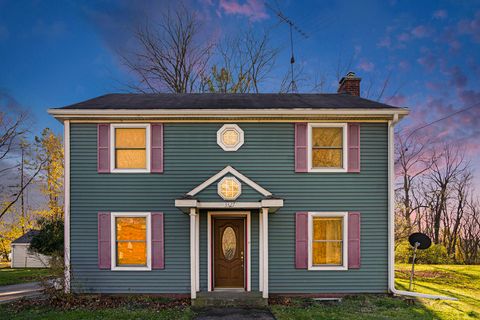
(193, 253)
(265, 251)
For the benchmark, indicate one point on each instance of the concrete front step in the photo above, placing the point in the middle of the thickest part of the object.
(229, 299)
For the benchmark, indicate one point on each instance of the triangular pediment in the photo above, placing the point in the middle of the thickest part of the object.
(229, 171)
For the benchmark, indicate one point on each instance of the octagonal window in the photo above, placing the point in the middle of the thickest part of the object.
(230, 137)
(229, 188)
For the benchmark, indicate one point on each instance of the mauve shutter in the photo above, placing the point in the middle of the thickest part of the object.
(104, 240)
(301, 146)
(354, 240)
(301, 240)
(353, 147)
(157, 148)
(103, 148)
(158, 256)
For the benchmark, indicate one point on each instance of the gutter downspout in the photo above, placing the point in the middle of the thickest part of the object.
(391, 222)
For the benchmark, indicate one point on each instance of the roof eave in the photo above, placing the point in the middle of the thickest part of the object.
(92, 114)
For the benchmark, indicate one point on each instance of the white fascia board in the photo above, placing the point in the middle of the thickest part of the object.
(216, 113)
(232, 171)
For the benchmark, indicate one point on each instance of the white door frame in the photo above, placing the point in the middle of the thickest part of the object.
(232, 214)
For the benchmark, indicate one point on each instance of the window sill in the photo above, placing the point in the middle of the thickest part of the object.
(326, 170)
(328, 268)
(131, 269)
(130, 171)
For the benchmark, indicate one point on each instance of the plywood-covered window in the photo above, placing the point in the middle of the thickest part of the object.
(328, 240)
(131, 241)
(130, 147)
(131, 245)
(327, 147)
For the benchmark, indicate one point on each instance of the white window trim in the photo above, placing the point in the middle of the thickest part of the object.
(241, 138)
(146, 215)
(343, 215)
(344, 147)
(114, 126)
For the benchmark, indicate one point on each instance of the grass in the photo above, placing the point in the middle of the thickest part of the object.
(105, 314)
(14, 276)
(462, 282)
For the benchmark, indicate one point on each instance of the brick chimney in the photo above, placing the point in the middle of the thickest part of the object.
(350, 84)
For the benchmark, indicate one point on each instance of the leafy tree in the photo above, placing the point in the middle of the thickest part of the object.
(49, 240)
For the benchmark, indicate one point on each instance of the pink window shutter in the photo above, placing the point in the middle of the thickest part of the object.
(354, 240)
(156, 165)
(158, 256)
(353, 147)
(301, 147)
(301, 240)
(103, 148)
(104, 240)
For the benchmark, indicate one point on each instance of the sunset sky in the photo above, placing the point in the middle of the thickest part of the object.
(56, 53)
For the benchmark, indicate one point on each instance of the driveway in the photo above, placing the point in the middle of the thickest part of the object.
(233, 314)
(18, 291)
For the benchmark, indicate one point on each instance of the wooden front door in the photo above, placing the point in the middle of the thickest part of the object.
(229, 252)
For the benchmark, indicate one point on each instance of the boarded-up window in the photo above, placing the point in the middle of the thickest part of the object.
(327, 147)
(131, 241)
(327, 241)
(130, 148)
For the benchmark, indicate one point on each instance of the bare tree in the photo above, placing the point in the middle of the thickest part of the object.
(445, 171)
(172, 55)
(245, 62)
(413, 158)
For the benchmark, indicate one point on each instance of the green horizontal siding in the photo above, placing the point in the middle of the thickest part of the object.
(192, 156)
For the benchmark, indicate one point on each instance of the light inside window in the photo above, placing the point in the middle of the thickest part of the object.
(229, 189)
(130, 148)
(327, 241)
(230, 137)
(131, 241)
(327, 147)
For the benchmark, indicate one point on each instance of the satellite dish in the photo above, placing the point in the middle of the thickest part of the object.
(420, 241)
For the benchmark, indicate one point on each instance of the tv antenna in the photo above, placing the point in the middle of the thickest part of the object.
(284, 19)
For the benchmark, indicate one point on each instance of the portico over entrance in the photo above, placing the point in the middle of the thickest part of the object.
(229, 233)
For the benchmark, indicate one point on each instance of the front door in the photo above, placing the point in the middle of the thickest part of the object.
(228, 252)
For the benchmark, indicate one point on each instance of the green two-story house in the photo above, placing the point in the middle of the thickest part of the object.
(268, 193)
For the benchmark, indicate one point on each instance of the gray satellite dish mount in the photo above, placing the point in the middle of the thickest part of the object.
(419, 241)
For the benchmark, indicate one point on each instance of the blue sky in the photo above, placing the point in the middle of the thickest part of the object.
(54, 53)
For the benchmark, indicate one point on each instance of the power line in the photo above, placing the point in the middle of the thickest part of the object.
(444, 118)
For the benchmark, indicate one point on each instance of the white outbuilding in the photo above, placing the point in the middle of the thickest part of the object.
(22, 257)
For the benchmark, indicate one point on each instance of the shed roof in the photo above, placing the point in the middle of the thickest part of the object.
(27, 237)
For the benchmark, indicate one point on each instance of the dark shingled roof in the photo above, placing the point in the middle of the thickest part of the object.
(226, 101)
(27, 237)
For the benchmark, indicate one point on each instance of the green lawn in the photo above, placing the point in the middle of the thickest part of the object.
(14, 276)
(462, 282)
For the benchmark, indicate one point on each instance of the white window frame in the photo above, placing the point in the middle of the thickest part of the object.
(344, 146)
(343, 215)
(241, 138)
(145, 126)
(219, 188)
(115, 215)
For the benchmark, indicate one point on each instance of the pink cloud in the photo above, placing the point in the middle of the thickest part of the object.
(385, 42)
(366, 66)
(420, 31)
(403, 37)
(440, 14)
(471, 27)
(253, 9)
(398, 100)
(404, 65)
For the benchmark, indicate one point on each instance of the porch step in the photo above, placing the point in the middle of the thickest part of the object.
(229, 299)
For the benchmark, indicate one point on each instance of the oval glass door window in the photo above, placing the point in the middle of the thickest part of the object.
(229, 243)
